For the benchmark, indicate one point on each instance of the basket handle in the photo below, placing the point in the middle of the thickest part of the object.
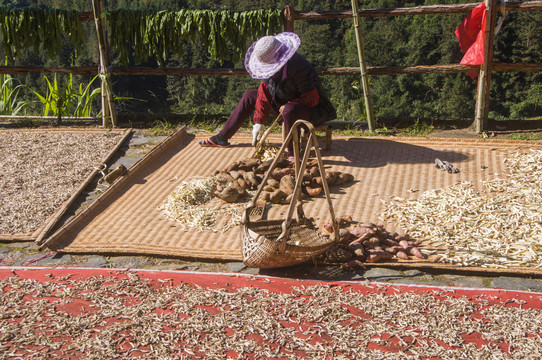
(299, 169)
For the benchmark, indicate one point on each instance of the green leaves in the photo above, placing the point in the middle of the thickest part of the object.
(9, 94)
(34, 27)
(60, 100)
(158, 34)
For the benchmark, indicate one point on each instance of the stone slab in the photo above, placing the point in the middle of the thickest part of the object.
(513, 283)
(382, 274)
(95, 261)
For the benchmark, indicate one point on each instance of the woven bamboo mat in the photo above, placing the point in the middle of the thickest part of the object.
(40, 232)
(126, 218)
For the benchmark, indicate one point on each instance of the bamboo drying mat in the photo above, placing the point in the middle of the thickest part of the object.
(126, 218)
(39, 233)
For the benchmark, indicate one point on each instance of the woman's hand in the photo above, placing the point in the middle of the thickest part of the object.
(257, 131)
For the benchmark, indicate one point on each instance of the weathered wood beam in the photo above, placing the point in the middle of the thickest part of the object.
(371, 70)
(415, 10)
(76, 70)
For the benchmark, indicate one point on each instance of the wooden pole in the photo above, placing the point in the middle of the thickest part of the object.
(484, 78)
(363, 67)
(288, 18)
(108, 107)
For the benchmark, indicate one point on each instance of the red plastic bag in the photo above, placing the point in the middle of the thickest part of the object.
(470, 35)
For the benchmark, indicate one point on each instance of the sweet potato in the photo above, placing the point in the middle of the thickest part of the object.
(361, 239)
(265, 195)
(328, 227)
(344, 178)
(307, 178)
(372, 242)
(389, 242)
(414, 243)
(239, 185)
(248, 164)
(235, 174)
(272, 182)
(268, 188)
(312, 163)
(378, 255)
(277, 174)
(391, 250)
(358, 250)
(337, 254)
(263, 167)
(232, 166)
(415, 252)
(284, 163)
(344, 220)
(331, 177)
(314, 172)
(277, 197)
(287, 184)
(404, 244)
(312, 191)
(225, 176)
(344, 236)
(401, 255)
(251, 179)
(242, 183)
(229, 194)
(361, 230)
(353, 264)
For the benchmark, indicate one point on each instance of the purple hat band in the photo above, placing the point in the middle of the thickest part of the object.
(267, 55)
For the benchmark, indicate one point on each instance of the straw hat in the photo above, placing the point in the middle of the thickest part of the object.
(267, 55)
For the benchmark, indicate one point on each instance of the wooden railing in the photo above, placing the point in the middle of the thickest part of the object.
(290, 16)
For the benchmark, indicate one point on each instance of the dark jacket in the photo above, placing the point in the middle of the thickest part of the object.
(297, 77)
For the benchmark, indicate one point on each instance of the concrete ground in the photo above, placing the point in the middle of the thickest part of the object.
(27, 253)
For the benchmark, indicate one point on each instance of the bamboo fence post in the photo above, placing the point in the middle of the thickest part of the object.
(484, 78)
(288, 18)
(363, 67)
(105, 76)
(106, 113)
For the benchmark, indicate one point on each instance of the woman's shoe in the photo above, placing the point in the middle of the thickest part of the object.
(215, 141)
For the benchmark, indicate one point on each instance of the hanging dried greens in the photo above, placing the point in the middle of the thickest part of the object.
(32, 27)
(225, 33)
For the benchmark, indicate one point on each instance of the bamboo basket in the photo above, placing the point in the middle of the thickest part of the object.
(282, 243)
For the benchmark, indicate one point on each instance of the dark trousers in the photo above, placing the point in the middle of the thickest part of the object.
(292, 112)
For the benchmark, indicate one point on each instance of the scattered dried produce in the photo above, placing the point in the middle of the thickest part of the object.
(123, 317)
(41, 170)
(368, 243)
(188, 205)
(500, 227)
(267, 152)
(252, 171)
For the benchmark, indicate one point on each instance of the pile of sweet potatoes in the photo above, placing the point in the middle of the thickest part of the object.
(247, 174)
(367, 243)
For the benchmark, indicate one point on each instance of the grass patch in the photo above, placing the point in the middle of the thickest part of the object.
(526, 137)
(417, 129)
